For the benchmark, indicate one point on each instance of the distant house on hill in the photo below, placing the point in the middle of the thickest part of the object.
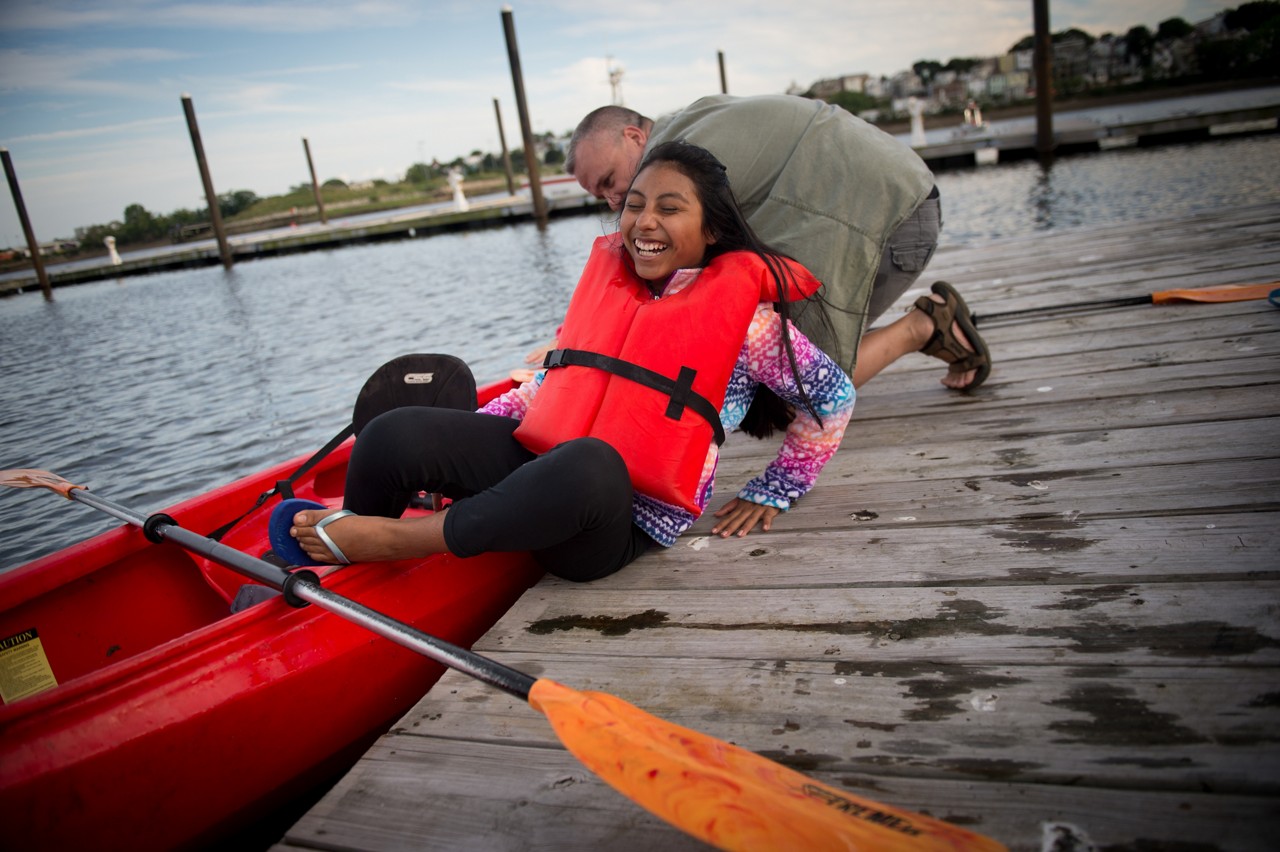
(824, 89)
(52, 247)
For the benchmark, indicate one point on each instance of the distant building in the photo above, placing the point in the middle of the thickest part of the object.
(1079, 62)
(52, 247)
(1070, 58)
(824, 89)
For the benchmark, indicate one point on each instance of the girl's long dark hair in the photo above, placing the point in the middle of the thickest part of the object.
(722, 219)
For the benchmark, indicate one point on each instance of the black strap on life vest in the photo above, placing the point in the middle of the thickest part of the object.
(680, 390)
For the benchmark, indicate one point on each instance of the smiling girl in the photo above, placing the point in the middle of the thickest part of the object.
(676, 334)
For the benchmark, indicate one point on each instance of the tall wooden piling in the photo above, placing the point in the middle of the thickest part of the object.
(315, 185)
(1043, 62)
(526, 130)
(506, 154)
(724, 81)
(215, 214)
(27, 231)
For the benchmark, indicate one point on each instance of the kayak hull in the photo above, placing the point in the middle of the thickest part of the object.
(175, 721)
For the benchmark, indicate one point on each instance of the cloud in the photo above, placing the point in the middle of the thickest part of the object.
(124, 128)
(266, 17)
(82, 71)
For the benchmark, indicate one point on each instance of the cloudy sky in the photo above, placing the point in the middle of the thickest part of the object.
(90, 92)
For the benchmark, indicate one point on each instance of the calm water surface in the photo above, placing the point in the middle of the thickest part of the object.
(153, 389)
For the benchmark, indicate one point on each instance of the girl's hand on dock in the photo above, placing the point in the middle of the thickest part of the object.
(741, 516)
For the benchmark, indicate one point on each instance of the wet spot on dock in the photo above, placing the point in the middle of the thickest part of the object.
(1269, 699)
(940, 697)
(1015, 457)
(1118, 718)
(1188, 639)
(605, 625)
(874, 726)
(800, 761)
(1082, 438)
(992, 770)
(1078, 599)
(1043, 534)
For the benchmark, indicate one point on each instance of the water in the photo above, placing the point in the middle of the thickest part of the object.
(156, 388)
(153, 389)
(1125, 185)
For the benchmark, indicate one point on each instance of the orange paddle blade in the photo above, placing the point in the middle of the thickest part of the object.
(727, 796)
(31, 478)
(1225, 293)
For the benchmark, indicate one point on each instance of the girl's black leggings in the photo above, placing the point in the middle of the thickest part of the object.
(570, 506)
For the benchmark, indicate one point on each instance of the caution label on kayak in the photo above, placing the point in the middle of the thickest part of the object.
(24, 669)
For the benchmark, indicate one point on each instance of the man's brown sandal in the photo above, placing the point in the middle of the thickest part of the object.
(945, 345)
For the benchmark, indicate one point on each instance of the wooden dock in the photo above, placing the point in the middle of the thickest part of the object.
(1015, 139)
(1049, 611)
(563, 198)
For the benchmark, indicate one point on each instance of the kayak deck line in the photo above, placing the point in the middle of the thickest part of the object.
(1046, 610)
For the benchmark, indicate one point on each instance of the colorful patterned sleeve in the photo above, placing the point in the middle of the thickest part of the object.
(515, 402)
(808, 444)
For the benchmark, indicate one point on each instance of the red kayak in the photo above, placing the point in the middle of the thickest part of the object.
(153, 717)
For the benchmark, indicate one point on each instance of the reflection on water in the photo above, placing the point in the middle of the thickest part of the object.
(1125, 185)
(153, 389)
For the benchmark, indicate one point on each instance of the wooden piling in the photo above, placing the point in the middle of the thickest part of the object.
(215, 215)
(27, 231)
(724, 81)
(526, 131)
(315, 185)
(1043, 62)
(506, 154)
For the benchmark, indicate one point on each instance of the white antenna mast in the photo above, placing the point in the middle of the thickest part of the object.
(615, 81)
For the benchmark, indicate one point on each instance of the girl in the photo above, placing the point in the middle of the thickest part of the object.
(675, 335)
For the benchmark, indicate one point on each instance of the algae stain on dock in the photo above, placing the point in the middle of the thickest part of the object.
(606, 625)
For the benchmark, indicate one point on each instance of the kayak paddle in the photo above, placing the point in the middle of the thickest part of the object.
(1223, 293)
(717, 792)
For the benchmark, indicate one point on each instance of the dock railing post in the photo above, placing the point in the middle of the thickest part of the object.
(506, 154)
(315, 185)
(530, 150)
(215, 214)
(36, 260)
(1043, 62)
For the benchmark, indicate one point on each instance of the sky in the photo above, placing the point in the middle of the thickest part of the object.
(90, 90)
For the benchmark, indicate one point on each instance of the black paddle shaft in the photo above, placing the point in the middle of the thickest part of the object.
(303, 586)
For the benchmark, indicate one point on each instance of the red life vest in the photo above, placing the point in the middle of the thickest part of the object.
(648, 375)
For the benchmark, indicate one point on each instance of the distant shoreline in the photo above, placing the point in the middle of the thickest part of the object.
(1028, 109)
(895, 128)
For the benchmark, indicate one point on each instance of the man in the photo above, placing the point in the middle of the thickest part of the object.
(850, 202)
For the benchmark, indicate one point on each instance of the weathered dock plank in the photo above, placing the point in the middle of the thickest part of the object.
(1051, 606)
(1164, 728)
(430, 787)
(1081, 624)
(1046, 550)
